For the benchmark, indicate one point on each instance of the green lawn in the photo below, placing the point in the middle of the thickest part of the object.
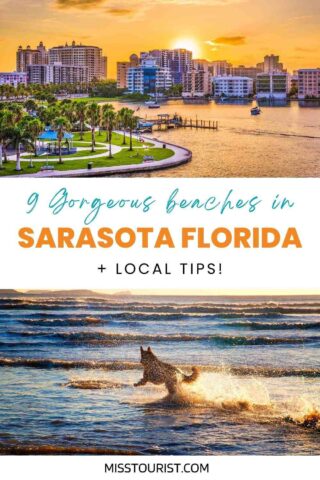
(96, 99)
(117, 139)
(125, 157)
(51, 158)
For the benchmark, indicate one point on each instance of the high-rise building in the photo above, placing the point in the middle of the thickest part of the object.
(309, 83)
(13, 78)
(219, 67)
(197, 80)
(148, 77)
(273, 86)
(231, 86)
(271, 64)
(29, 56)
(122, 70)
(178, 61)
(81, 56)
(242, 71)
(57, 74)
(86, 57)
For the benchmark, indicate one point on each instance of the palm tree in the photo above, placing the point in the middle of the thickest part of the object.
(33, 127)
(93, 117)
(106, 109)
(19, 137)
(30, 105)
(6, 122)
(112, 117)
(68, 110)
(80, 111)
(17, 111)
(61, 125)
(133, 121)
(123, 115)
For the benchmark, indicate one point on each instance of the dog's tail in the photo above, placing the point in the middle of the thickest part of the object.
(193, 377)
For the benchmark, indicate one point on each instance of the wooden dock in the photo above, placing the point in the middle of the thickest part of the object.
(165, 121)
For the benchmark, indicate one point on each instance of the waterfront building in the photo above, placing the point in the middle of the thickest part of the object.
(219, 67)
(272, 86)
(81, 56)
(28, 56)
(57, 74)
(134, 60)
(148, 77)
(242, 71)
(271, 64)
(309, 83)
(233, 86)
(13, 78)
(122, 70)
(197, 80)
(178, 61)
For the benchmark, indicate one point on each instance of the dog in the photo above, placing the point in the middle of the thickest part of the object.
(158, 372)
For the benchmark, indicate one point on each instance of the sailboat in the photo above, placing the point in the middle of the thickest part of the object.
(153, 103)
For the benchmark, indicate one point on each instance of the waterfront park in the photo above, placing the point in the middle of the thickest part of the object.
(41, 138)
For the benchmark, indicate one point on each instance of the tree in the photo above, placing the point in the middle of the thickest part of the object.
(133, 122)
(106, 109)
(112, 117)
(123, 115)
(80, 112)
(19, 137)
(67, 109)
(7, 121)
(33, 127)
(61, 125)
(30, 105)
(93, 117)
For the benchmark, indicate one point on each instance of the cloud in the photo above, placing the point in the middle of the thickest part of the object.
(81, 4)
(121, 12)
(230, 41)
(129, 10)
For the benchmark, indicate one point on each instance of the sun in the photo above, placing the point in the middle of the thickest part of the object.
(187, 43)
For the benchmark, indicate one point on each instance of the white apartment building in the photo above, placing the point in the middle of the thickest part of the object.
(13, 78)
(309, 83)
(231, 86)
(57, 74)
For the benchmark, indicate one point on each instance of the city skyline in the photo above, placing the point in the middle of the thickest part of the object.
(289, 29)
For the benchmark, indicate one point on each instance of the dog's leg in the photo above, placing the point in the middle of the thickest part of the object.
(141, 382)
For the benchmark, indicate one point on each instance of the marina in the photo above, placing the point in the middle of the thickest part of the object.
(165, 121)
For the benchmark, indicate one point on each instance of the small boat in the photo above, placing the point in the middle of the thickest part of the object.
(152, 104)
(255, 111)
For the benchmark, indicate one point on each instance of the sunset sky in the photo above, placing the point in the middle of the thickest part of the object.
(241, 31)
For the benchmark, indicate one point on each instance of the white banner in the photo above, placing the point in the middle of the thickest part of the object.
(103, 467)
(164, 233)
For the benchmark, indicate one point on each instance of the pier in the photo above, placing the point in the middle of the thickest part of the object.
(164, 121)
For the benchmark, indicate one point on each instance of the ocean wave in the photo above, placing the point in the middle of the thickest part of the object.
(94, 384)
(275, 326)
(103, 338)
(29, 449)
(238, 370)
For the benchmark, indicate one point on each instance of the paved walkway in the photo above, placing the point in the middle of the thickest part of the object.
(181, 155)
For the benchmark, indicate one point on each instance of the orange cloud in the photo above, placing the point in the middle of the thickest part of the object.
(81, 4)
(230, 41)
(119, 12)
